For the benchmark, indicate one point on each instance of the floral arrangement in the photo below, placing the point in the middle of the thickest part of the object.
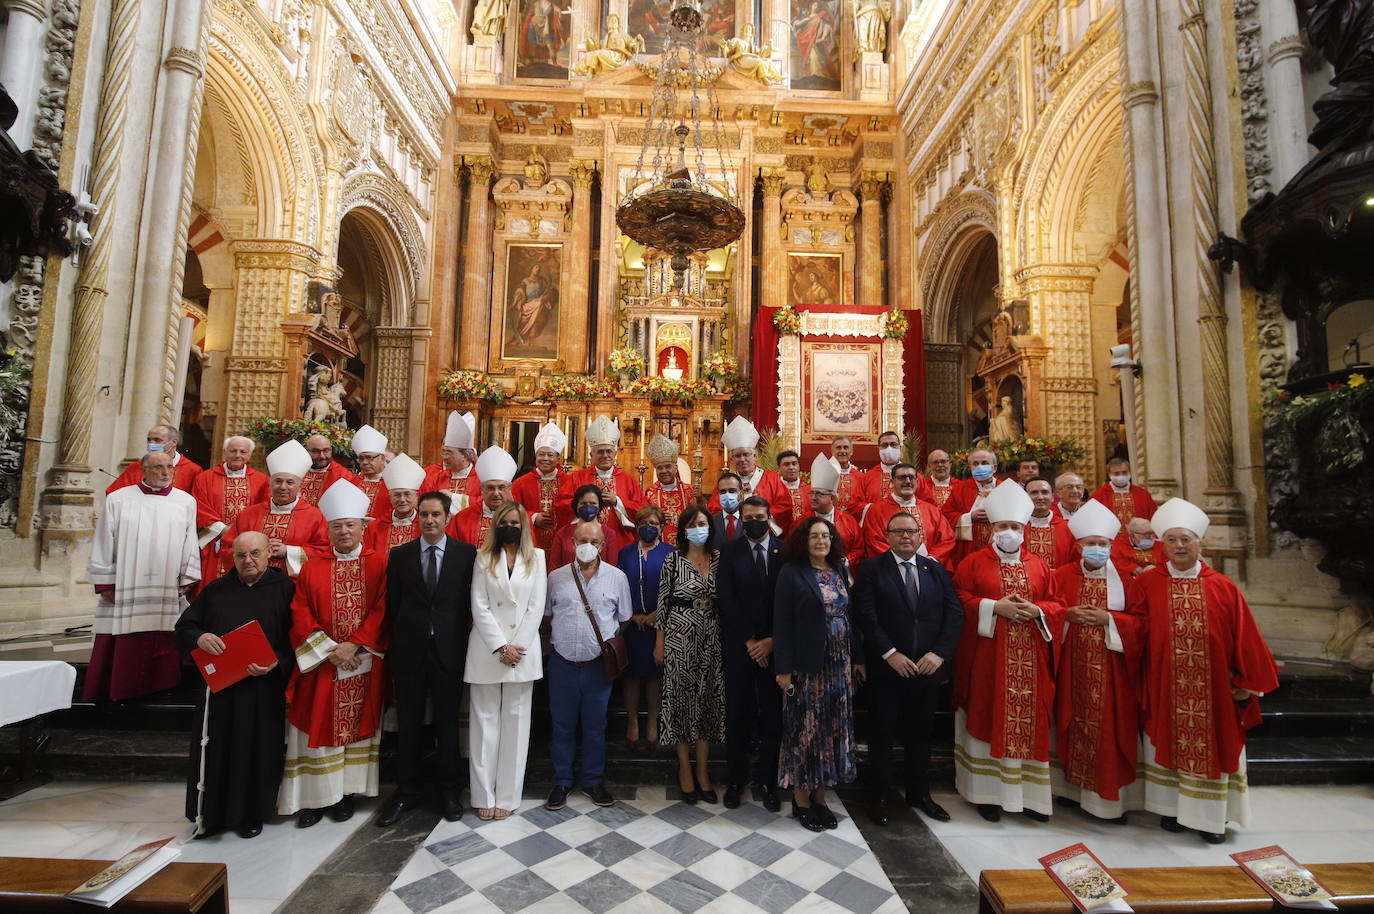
(739, 389)
(664, 390)
(720, 364)
(469, 384)
(1050, 453)
(627, 362)
(269, 432)
(575, 387)
(787, 321)
(895, 325)
(15, 377)
(1331, 425)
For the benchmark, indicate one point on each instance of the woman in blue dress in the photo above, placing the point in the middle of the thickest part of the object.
(642, 562)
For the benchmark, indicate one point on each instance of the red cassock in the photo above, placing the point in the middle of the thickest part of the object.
(347, 601)
(672, 504)
(439, 478)
(853, 537)
(539, 496)
(795, 503)
(877, 483)
(377, 491)
(1054, 544)
(304, 526)
(384, 534)
(1134, 502)
(1005, 684)
(316, 481)
(1200, 640)
(470, 525)
(939, 537)
(220, 498)
(927, 490)
(1097, 691)
(183, 475)
(1130, 562)
(851, 492)
(961, 500)
(625, 488)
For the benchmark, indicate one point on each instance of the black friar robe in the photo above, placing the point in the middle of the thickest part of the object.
(239, 744)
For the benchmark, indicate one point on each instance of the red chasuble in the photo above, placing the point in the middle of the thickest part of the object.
(539, 496)
(375, 490)
(850, 491)
(220, 498)
(347, 601)
(960, 502)
(673, 504)
(439, 478)
(625, 488)
(1097, 692)
(315, 482)
(304, 526)
(1200, 640)
(384, 534)
(1131, 562)
(939, 538)
(183, 475)
(877, 483)
(470, 525)
(1053, 544)
(794, 505)
(1005, 684)
(1134, 502)
(927, 490)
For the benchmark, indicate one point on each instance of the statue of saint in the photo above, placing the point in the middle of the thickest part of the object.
(1004, 425)
(870, 24)
(489, 17)
(817, 179)
(536, 170)
(751, 62)
(611, 53)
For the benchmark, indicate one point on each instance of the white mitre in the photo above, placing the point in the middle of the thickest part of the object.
(403, 473)
(289, 457)
(367, 440)
(825, 476)
(461, 430)
(552, 437)
(1009, 502)
(1094, 519)
(739, 433)
(602, 431)
(344, 500)
(1179, 513)
(495, 465)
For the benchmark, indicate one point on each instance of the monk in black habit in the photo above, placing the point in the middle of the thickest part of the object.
(243, 731)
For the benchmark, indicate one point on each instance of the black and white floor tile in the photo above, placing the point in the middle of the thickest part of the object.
(644, 854)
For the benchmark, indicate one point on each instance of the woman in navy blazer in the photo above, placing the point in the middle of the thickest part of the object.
(819, 665)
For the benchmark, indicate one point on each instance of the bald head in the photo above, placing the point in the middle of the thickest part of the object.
(321, 451)
(163, 438)
(252, 551)
(938, 464)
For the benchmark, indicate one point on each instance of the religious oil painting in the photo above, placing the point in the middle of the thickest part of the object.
(815, 54)
(840, 383)
(649, 19)
(814, 279)
(533, 274)
(542, 49)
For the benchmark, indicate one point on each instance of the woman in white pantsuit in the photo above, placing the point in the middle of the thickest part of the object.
(508, 587)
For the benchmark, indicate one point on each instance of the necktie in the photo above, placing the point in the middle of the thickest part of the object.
(730, 527)
(432, 568)
(760, 563)
(909, 579)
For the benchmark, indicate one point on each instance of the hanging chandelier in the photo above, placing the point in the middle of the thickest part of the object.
(671, 205)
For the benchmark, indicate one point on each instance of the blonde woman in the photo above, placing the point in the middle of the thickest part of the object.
(508, 587)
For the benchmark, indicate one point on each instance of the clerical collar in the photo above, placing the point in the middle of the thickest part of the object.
(905, 504)
(671, 488)
(844, 470)
(283, 509)
(1013, 558)
(402, 521)
(1190, 573)
(551, 476)
(236, 474)
(486, 512)
(942, 483)
(792, 484)
(606, 475)
(1099, 572)
(1041, 521)
(349, 556)
(830, 517)
(987, 486)
(323, 470)
(1065, 512)
(377, 478)
(149, 490)
(461, 474)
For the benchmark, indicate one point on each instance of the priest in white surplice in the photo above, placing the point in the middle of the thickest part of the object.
(143, 558)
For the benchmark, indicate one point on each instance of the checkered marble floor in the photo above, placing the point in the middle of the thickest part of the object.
(644, 854)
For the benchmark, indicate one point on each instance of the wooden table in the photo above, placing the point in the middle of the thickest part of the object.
(1172, 889)
(39, 884)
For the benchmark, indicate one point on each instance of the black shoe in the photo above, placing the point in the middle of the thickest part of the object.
(732, 796)
(450, 806)
(808, 817)
(308, 817)
(558, 798)
(990, 812)
(1035, 816)
(925, 804)
(708, 796)
(1066, 802)
(690, 797)
(392, 811)
(599, 795)
(877, 811)
(771, 801)
(342, 811)
(826, 816)
(1212, 837)
(208, 833)
(1170, 824)
(251, 830)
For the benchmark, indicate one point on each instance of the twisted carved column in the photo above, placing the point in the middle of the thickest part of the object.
(573, 329)
(869, 268)
(476, 313)
(773, 276)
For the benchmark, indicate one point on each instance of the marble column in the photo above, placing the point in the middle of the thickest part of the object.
(773, 261)
(776, 31)
(475, 322)
(1060, 298)
(21, 63)
(572, 333)
(1283, 83)
(869, 268)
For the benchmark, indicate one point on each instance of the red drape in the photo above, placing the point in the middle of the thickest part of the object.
(914, 375)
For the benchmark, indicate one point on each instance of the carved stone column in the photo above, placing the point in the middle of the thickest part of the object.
(21, 63)
(391, 395)
(773, 275)
(271, 281)
(869, 267)
(1060, 297)
(1286, 105)
(946, 426)
(475, 320)
(572, 344)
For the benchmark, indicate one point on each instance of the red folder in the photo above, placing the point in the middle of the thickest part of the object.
(244, 645)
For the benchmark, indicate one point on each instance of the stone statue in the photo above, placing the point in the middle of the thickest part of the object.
(489, 17)
(870, 24)
(817, 179)
(536, 169)
(611, 53)
(327, 404)
(1343, 30)
(751, 62)
(1004, 425)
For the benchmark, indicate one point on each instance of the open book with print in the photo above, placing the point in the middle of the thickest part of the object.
(1083, 878)
(127, 873)
(1291, 884)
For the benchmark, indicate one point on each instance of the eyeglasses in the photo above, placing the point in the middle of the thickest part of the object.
(903, 531)
(906, 477)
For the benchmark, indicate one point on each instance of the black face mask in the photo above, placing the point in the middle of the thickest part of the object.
(755, 529)
(588, 512)
(507, 535)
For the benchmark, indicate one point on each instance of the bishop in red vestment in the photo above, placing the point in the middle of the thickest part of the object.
(622, 496)
(221, 494)
(1124, 498)
(471, 525)
(670, 493)
(794, 503)
(938, 485)
(964, 510)
(938, 538)
(1047, 534)
(1206, 666)
(877, 481)
(454, 473)
(403, 478)
(740, 440)
(1003, 674)
(163, 438)
(324, 469)
(295, 529)
(850, 491)
(369, 445)
(538, 489)
(1135, 549)
(825, 505)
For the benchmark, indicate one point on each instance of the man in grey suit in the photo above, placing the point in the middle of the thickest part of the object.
(727, 521)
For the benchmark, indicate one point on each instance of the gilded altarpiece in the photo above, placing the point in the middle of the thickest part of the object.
(530, 276)
(818, 241)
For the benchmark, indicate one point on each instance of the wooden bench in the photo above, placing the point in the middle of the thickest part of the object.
(39, 884)
(1173, 889)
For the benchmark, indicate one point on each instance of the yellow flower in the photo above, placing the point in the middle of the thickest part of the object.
(1356, 379)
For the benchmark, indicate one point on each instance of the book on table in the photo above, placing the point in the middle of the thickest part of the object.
(242, 646)
(1083, 878)
(1289, 882)
(106, 887)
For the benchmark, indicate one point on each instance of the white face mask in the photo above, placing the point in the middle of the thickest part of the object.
(1007, 540)
(889, 454)
(587, 553)
(1121, 482)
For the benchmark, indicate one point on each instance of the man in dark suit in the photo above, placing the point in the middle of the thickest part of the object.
(753, 703)
(728, 521)
(910, 616)
(428, 594)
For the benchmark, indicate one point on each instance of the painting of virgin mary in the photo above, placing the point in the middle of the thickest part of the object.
(531, 320)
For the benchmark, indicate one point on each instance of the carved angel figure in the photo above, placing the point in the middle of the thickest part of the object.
(489, 17)
(751, 62)
(611, 53)
(870, 24)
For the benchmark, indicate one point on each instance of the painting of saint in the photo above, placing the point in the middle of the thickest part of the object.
(718, 25)
(840, 384)
(815, 279)
(815, 57)
(533, 272)
(542, 50)
(649, 19)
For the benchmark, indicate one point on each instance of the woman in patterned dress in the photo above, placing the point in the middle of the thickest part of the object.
(689, 649)
(815, 646)
(642, 562)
